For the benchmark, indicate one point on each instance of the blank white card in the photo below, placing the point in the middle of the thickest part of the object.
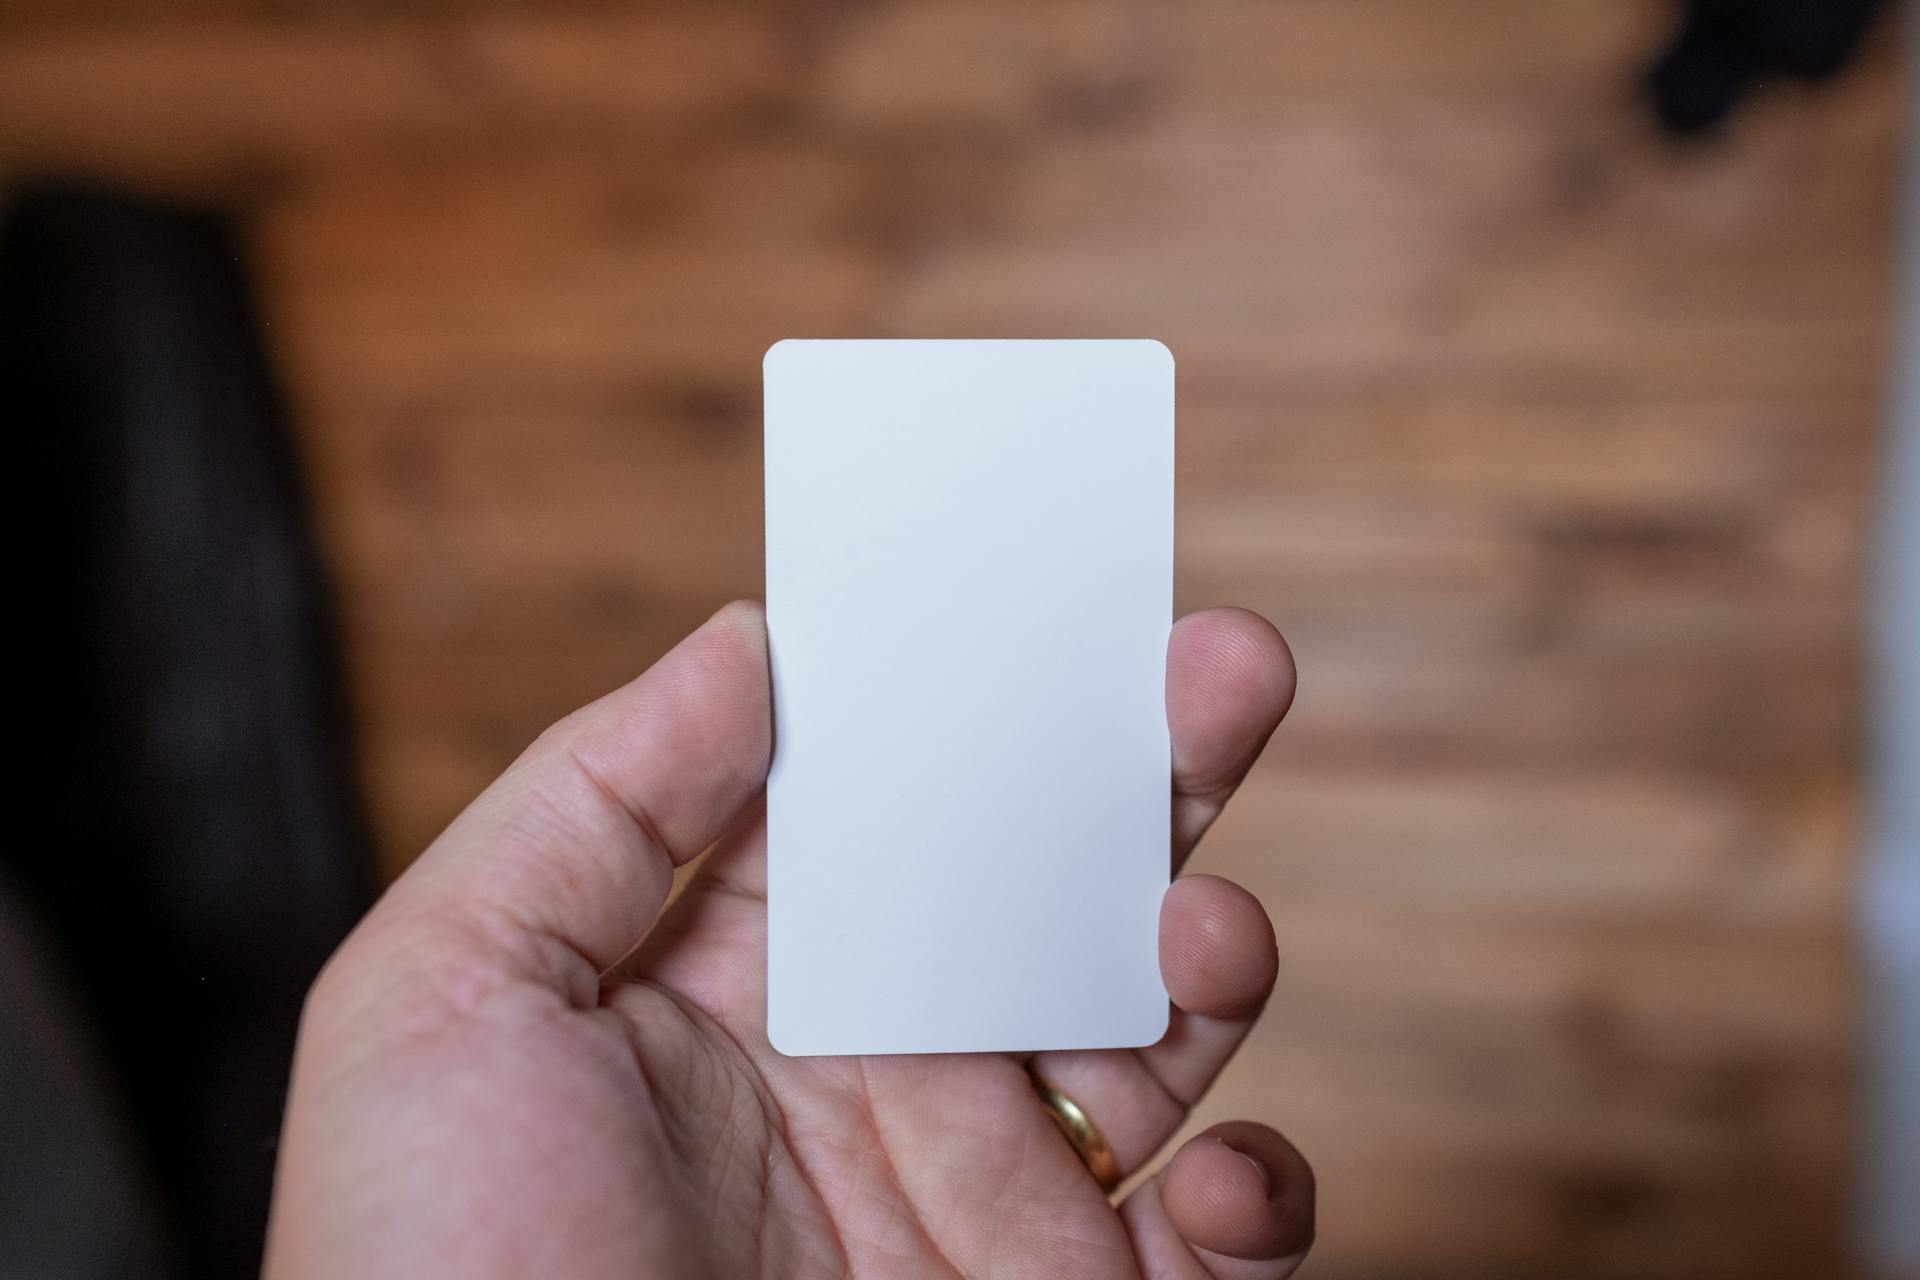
(969, 591)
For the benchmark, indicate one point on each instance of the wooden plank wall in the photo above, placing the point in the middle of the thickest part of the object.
(1550, 446)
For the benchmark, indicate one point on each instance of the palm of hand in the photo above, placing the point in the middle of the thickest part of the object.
(488, 1085)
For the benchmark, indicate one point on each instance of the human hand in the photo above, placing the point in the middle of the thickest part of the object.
(489, 1084)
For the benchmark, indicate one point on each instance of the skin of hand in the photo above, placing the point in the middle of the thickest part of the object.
(512, 1069)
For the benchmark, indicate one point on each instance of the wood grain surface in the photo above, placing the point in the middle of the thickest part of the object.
(1550, 446)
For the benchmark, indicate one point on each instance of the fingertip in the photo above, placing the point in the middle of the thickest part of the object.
(727, 672)
(1230, 680)
(738, 631)
(1242, 1190)
(1218, 955)
(743, 612)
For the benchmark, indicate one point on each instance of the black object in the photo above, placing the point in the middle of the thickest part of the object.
(191, 849)
(1723, 48)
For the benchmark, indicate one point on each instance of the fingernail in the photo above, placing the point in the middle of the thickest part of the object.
(1266, 1178)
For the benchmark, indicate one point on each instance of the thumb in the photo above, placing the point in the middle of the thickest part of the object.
(578, 840)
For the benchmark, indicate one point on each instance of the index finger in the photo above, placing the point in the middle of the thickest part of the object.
(1230, 680)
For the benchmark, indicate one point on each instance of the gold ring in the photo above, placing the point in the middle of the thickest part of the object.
(1079, 1129)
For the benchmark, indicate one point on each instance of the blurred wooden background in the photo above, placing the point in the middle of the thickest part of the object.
(1548, 445)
